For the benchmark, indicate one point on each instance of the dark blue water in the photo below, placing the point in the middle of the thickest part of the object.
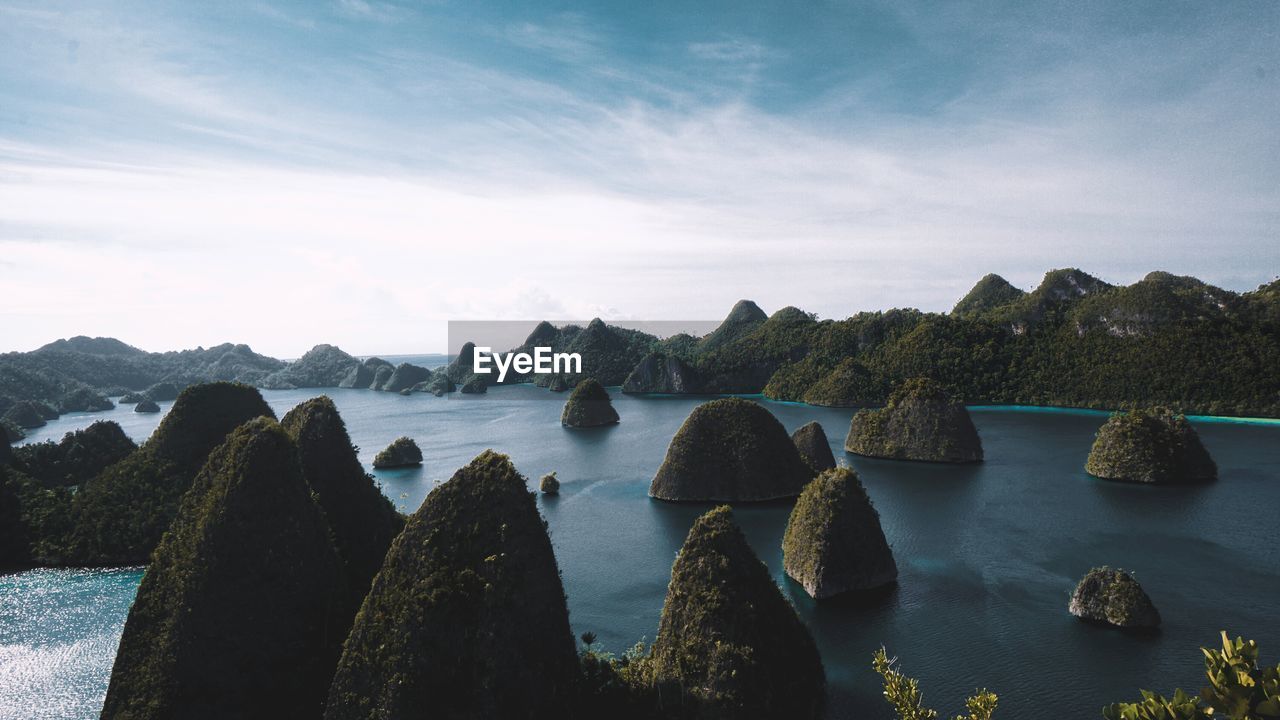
(988, 554)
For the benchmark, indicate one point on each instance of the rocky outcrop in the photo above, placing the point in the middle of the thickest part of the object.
(83, 399)
(163, 391)
(475, 385)
(467, 616)
(659, 373)
(730, 450)
(549, 484)
(78, 457)
(381, 376)
(362, 520)
(729, 644)
(811, 440)
(119, 516)
(834, 543)
(146, 406)
(28, 414)
(991, 291)
(921, 422)
(1113, 597)
(406, 376)
(743, 318)
(321, 366)
(439, 384)
(234, 615)
(132, 398)
(1150, 446)
(462, 367)
(402, 452)
(362, 375)
(588, 406)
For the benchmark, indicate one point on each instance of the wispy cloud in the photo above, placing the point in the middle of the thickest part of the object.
(388, 186)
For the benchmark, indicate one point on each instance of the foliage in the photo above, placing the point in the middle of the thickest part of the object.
(588, 406)
(78, 457)
(361, 518)
(1152, 446)
(549, 483)
(729, 644)
(467, 616)
(235, 616)
(730, 449)
(1239, 689)
(833, 542)
(402, 452)
(920, 422)
(903, 693)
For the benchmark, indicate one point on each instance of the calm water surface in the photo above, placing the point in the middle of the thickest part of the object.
(988, 555)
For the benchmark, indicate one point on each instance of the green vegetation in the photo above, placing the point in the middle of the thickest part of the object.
(467, 616)
(834, 543)
(82, 399)
(992, 291)
(405, 376)
(811, 440)
(321, 366)
(475, 385)
(1239, 689)
(730, 450)
(235, 616)
(903, 693)
(402, 452)
(362, 375)
(588, 406)
(28, 414)
(117, 518)
(608, 353)
(361, 518)
(1150, 446)
(146, 405)
(1113, 597)
(920, 422)
(729, 644)
(77, 458)
(549, 484)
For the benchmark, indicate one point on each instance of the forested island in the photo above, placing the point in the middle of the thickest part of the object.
(1073, 341)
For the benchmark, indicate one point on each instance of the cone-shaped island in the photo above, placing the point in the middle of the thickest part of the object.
(811, 441)
(402, 452)
(1113, 597)
(921, 422)
(467, 617)
(729, 644)
(730, 450)
(833, 542)
(235, 614)
(1150, 446)
(588, 406)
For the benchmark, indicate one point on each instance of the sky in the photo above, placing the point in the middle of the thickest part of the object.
(361, 172)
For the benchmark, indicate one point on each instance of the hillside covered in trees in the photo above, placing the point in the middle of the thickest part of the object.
(1074, 340)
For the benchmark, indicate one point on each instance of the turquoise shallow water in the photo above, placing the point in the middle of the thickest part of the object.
(988, 554)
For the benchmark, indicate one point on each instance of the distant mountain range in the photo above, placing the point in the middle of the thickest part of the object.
(1074, 340)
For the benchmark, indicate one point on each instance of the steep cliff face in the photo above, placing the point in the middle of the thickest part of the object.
(467, 618)
(659, 373)
(362, 375)
(361, 518)
(588, 406)
(119, 516)
(834, 543)
(235, 614)
(729, 644)
(921, 422)
(811, 440)
(405, 376)
(1112, 596)
(1150, 446)
(730, 450)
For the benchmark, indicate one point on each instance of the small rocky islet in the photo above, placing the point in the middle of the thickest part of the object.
(730, 450)
(588, 406)
(1154, 446)
(402, 452)
(1113, 597)
(834, 543)
(811, 440)
(146, 405)
(921, 422)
